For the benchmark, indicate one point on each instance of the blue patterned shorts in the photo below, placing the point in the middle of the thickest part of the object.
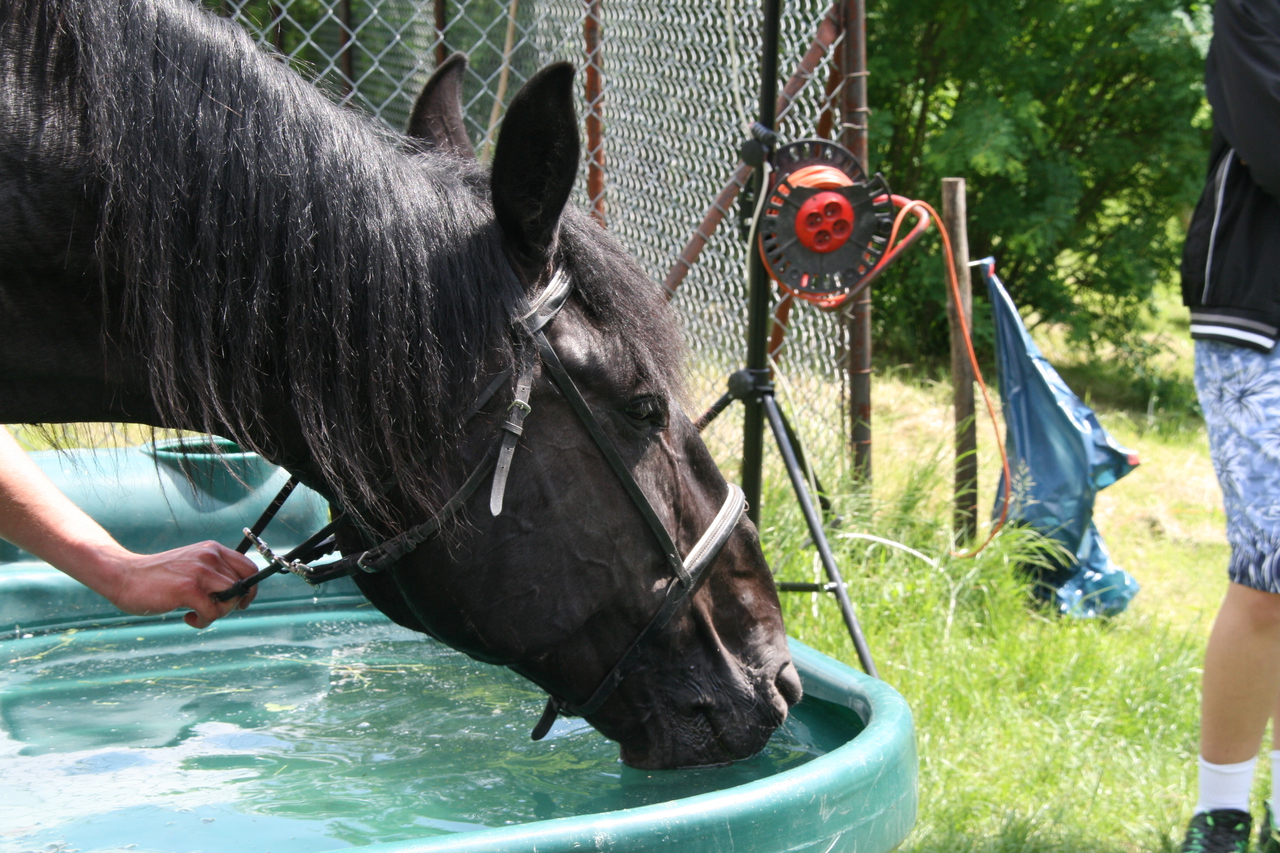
(1239, 392)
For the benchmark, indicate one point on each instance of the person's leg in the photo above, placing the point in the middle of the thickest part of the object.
(1240, 690)
(1268, 839)
(1274, 800)
(1241, 682)
(1239, 393)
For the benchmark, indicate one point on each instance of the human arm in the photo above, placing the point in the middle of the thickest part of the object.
(37, 517)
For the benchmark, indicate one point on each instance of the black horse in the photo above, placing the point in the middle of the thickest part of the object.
(191, 236)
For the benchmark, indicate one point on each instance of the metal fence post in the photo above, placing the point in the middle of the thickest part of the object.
(594, 97)
(759, 287)
(853, 135)
(346, 57)
(441, 23)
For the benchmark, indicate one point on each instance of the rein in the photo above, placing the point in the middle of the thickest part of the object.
(687, 571)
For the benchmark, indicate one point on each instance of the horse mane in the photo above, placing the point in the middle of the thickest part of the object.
(278, 245)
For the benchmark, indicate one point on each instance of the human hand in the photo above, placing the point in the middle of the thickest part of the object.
(146, 584)
(38, 518)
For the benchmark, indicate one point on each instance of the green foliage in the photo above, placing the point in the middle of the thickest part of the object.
(1145, 378)
(1037, 734)
(302, 30)
(364, 49)
(1080, 129)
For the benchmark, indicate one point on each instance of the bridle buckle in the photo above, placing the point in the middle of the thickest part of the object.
(296, 567)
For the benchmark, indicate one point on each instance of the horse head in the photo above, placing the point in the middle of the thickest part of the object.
(216, 246)
(560, 584)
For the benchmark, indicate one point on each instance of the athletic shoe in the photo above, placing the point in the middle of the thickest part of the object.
(1219, 831)
(1268, 836)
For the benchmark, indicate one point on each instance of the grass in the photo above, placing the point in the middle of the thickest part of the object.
(1036, 733)
(56, 436)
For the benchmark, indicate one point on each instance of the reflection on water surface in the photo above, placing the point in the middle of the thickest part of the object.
(305, 732)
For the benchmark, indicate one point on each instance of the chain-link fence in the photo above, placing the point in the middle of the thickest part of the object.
(667, 91)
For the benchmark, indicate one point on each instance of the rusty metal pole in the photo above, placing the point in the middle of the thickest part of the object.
(595, 111)
(346, 59)
(954, 216)
(442, 49)
(853, 135)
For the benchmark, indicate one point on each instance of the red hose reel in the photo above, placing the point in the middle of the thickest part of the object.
(826, 230)
(824, 225)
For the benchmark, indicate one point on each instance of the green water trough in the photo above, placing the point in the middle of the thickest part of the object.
(310, 722)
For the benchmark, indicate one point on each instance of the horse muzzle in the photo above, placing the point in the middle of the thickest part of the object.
(717, 726)
(713, 709)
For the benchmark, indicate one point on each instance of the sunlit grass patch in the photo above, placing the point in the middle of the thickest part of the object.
(1036, 733)
(99, 435)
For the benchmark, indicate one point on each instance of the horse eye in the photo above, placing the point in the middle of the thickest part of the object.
(647, 411)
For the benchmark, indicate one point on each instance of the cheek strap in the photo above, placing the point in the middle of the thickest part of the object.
(695, 565)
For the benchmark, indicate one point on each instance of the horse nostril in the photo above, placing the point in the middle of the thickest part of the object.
(788, 683)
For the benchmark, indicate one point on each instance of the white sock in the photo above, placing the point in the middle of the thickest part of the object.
(1226, 786)
(1275, 782)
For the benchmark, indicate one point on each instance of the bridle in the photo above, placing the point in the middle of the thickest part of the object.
(687, 571)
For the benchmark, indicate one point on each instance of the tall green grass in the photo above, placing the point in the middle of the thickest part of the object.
(1036, 733)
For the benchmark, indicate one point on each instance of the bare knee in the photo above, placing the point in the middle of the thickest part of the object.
(1259, 610)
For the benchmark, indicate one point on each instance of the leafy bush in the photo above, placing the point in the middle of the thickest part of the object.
(1081, 129)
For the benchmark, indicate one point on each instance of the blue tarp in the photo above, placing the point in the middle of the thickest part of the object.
(1060, 457)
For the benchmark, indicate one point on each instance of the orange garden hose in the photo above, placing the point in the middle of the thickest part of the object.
(825, 177)
(781, 315)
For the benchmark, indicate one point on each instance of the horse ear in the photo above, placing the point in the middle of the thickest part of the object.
(535, 164)
(436, 121)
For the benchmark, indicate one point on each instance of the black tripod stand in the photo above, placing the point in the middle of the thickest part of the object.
(754, 385)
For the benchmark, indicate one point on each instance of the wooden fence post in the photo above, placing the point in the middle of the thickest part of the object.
(965, 523)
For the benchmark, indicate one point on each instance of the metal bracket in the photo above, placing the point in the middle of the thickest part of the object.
(296, 567)
(748, 384)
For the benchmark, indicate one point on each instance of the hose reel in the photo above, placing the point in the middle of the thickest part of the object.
(823, 225)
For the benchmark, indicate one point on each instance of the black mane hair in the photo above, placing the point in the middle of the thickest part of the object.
(271, 244)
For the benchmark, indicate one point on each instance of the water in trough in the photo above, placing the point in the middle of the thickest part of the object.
(305, 731)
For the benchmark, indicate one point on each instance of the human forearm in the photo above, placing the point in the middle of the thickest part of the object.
(37, 517)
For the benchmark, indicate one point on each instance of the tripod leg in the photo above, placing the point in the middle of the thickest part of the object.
(823, 500)
(811, 516)
(714, 412)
